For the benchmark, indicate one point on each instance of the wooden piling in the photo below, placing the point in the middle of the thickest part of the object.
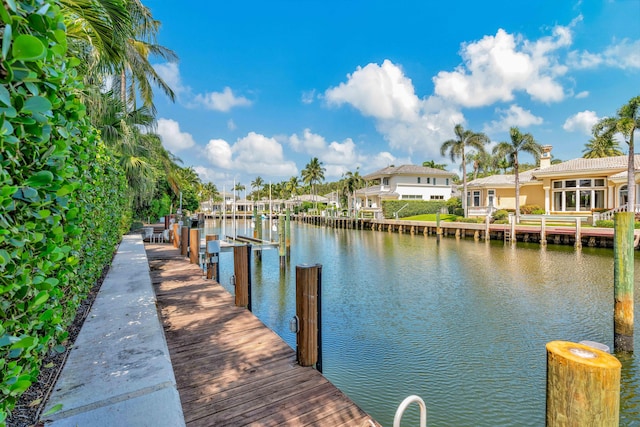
(583, 386)
(543, 232)
(211, 267)
(194, 245)
(281, 240)
(242, 275)
(623, 272)
(184, 240)
(176, 235)
(255, 223)
(308, 286)
(578, 242)
(288, 233)
(438, 229)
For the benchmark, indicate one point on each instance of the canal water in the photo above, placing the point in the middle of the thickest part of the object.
(463, 324)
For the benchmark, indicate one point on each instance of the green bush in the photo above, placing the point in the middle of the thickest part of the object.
(538, 212)
(406, 208)
(608, 223)
(453, 203)
(500, 215)
(528, 209)
(458, 212)
(62, 195)
(471, 220)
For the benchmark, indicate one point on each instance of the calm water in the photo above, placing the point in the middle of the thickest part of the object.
(462, 324)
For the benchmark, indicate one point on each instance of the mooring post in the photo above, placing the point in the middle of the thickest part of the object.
(184, 240)
(308, 315)
(194, 245)
(258, 234)
(176, 235)
(281, 240)
(623, 272)
(578, 243)
(438, 229)
(288, 233)
(487, 229)
(543, 231)
(242, 275)
(215, 266)
(583, 386)
(255, 222)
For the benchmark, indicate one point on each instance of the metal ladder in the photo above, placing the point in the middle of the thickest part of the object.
(400, 412)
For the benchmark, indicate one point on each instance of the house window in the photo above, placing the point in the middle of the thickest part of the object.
(473, 198)
(578, 195)
(491, 195)
(446, 181)
(434, 181)
(436, 197)
(411, 196)
(418, 180)
(385, 181)
(428, 180)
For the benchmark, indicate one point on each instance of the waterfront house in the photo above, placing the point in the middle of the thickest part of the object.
(575, 187)
(406, 182)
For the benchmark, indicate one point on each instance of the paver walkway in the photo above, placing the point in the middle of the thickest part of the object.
(230, 369)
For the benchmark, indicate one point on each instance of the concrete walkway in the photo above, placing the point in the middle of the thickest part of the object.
(119, 372)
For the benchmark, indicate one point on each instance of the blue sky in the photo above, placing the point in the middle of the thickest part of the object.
(264, 86)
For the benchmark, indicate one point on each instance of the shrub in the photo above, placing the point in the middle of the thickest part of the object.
(458, 212)
(453, 203)
(471, 220)
(528, 209)
(608, 223)
(538, 212)
(500, 215)
(406, 208)
(62, 195)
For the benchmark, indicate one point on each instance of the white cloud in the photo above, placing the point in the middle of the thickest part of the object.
(513, 116)
(496, 67)
(337, 157)
(231, 125)
(308, 143)
(221, 101)
(255, 154)
(581, 122)
(209, 175)
(308, 96)
(172, 138)
(170, 73)
(583, 94)
(624, 54)
(407, 122)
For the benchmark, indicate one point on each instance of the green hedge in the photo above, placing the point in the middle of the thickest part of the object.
(62, 196)
(413, 207)
(608, 223)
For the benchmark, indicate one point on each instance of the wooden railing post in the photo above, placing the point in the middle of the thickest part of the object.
(242, 275)
(194, 245)
(623, 281)
(308, 313)
(211, 267)
(184, 240)
(281, 240)
(583, 386)
(176, 236)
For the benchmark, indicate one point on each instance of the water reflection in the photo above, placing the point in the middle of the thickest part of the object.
(462, 324)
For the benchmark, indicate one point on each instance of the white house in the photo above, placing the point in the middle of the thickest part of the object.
(406, 182)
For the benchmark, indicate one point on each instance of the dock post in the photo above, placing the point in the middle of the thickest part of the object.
(543, 232)
(288, 233)
(578, 243)
(211, 266)
(184, 240)
(255, 223)
(242, 275)
(194, 245)
(308, 315)
(623, 272)
(438, 229)
(514, 239)
(583, 386)
(176, 236)
(281, 240)
(258, 230)
(487, 230)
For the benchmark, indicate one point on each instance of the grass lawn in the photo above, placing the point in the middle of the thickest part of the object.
(430, 217)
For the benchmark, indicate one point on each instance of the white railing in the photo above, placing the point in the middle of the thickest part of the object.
(608, 215)
(480, 210)
(403, 406)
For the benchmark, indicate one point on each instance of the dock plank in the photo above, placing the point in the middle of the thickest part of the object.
(231, 370)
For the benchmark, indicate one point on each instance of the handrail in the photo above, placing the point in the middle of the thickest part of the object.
(403, 406)
(624, 208)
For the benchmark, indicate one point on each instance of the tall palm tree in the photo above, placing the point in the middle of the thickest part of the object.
(519, 143)
(257, 183)
(293, 184)
(601, 146)
(353, 182)
(434, 165)
(626, 123)
(312, 174)
(456, 148)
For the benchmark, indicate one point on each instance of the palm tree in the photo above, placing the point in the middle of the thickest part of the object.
(257, 183)
(626, 123)
(601, 146)
(456, 150)
(519, 143)
(353, 182)
(482, 161)
(293, 184)
(312, 174)
(434, 165)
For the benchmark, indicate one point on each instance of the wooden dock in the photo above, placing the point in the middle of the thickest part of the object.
(230, 369)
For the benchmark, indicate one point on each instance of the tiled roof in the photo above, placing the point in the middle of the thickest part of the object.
(407, 170)
(581, 164)
(503, 180)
